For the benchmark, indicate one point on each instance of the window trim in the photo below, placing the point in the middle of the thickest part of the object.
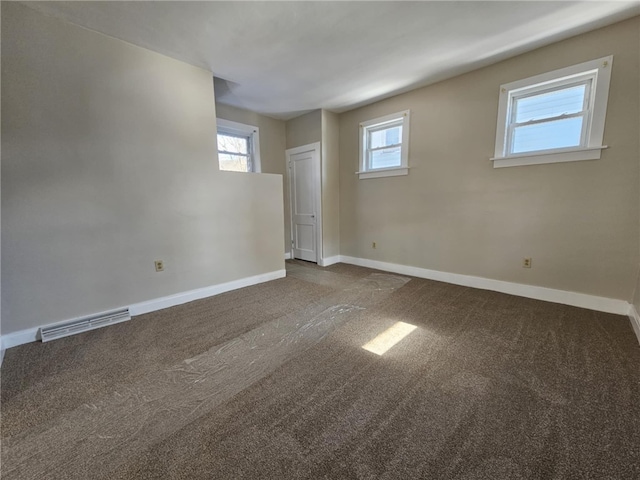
(403, 169)
(598, 72)
(241, 129)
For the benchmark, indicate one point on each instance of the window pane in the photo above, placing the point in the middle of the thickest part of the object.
(545, 136)
(232, 143)
(387, 136)
(386, 158)
(551, 104)
(233, 163)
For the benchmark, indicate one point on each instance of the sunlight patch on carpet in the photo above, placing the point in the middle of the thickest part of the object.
(389, 338)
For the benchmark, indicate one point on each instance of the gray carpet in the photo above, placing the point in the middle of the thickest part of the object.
(272, 381)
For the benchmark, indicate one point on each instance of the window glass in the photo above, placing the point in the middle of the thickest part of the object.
(549, 120)
(550, 104)
(233, 143)
(234, 163)
(384, 145)
(237, 147)
(548, 135)
(384, 137)
(386, 158)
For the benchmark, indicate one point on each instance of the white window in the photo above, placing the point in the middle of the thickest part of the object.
(554, 117)
(384, 146)
(238, 147)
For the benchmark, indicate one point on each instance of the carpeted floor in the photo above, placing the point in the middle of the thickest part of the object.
(272, 381)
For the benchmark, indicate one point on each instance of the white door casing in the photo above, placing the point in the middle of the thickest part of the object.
(305, 202)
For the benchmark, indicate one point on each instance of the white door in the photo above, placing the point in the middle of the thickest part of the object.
(304, 178)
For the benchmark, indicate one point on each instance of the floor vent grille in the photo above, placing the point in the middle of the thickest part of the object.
(85, 324)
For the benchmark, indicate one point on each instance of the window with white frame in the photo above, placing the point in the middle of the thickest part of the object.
(554, 117)
(238, 147)
(384, 146)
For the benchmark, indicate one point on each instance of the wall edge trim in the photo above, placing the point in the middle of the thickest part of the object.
(326, 262)
(634, 317)
(582, 300)
(31, 334)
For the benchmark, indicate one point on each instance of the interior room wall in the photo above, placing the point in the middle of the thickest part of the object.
(330, 148)
(636, 296)
(109, 162)
(634, 311)
(304, 129)
(272, 150)
(455, 213)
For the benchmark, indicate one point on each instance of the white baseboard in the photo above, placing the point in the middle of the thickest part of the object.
(325, 262)
(31, 334)
(191, 295)
(635, 320)
(18, 338)
(582, 300)
(592, 302)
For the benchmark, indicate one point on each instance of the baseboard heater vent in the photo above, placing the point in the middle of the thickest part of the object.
(85, 324)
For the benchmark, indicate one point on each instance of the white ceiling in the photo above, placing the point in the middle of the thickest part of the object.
(286, 58)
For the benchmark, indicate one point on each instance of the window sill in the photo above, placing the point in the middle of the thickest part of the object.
(384, 172)
(573, 155)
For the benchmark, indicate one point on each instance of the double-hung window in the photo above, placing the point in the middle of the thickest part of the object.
(238, 147)
(384, 146)
(555, 117)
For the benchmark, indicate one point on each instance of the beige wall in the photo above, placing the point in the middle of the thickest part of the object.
(272, 150)
(304, 129)
(636, 296)
(455, 213)
(109, 163)
(330, 148)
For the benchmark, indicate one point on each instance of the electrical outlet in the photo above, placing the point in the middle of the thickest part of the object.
(159, 266)
(526, 263)
(373, 245)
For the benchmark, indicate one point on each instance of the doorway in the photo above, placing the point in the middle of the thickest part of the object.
(303, 166)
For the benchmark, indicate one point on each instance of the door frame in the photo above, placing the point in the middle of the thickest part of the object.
(317, 180)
